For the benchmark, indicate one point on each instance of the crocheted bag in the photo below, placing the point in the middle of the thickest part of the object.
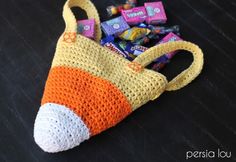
(90, 88)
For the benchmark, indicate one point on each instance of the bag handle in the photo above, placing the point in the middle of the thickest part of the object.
(184, 77)
(70, 20)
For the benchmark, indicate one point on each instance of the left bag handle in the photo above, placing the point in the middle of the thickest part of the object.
(91, 11)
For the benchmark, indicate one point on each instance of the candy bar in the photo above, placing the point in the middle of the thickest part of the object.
(86, 28)
(135, 15)
(131, 48)
(156, 13)
(114, 26)
(110, 44)
(134, 33)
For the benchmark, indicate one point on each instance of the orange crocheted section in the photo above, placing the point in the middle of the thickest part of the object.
(98, 102)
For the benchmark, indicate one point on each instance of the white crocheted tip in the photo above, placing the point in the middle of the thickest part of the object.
(57, 128)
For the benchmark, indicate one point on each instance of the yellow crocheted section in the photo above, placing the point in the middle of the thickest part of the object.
(85, 54)
(138, 84)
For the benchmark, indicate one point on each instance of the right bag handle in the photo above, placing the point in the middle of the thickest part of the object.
(186, 76)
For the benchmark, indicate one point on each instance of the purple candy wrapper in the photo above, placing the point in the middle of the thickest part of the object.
(114, 26)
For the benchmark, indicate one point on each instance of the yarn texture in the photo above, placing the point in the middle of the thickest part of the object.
(90, 88)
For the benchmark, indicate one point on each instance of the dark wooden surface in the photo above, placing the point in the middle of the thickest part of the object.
(200, 116)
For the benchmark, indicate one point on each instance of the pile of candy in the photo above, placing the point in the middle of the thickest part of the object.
(129, 35)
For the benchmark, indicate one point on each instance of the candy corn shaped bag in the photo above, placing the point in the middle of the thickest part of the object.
(90, 88)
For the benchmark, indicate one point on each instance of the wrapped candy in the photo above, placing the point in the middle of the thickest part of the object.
(146, 39)
(134, 33)
(135, 15)
(142, 25)
(133, 3)
(155, 32)
(86, 28)
(156, 13)
(110, 44)
(170, 38)
(114, 10)
(131, 48)
(114, 26)
(163, 60)
(164, 30)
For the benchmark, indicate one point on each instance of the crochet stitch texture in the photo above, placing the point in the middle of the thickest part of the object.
(90, 88)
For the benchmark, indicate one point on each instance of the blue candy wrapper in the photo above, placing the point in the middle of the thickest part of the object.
(110, 44)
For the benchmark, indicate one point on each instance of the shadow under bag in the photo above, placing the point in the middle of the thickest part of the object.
(90, 88)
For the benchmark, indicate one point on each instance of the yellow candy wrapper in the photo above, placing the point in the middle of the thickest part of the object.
(134, 33)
